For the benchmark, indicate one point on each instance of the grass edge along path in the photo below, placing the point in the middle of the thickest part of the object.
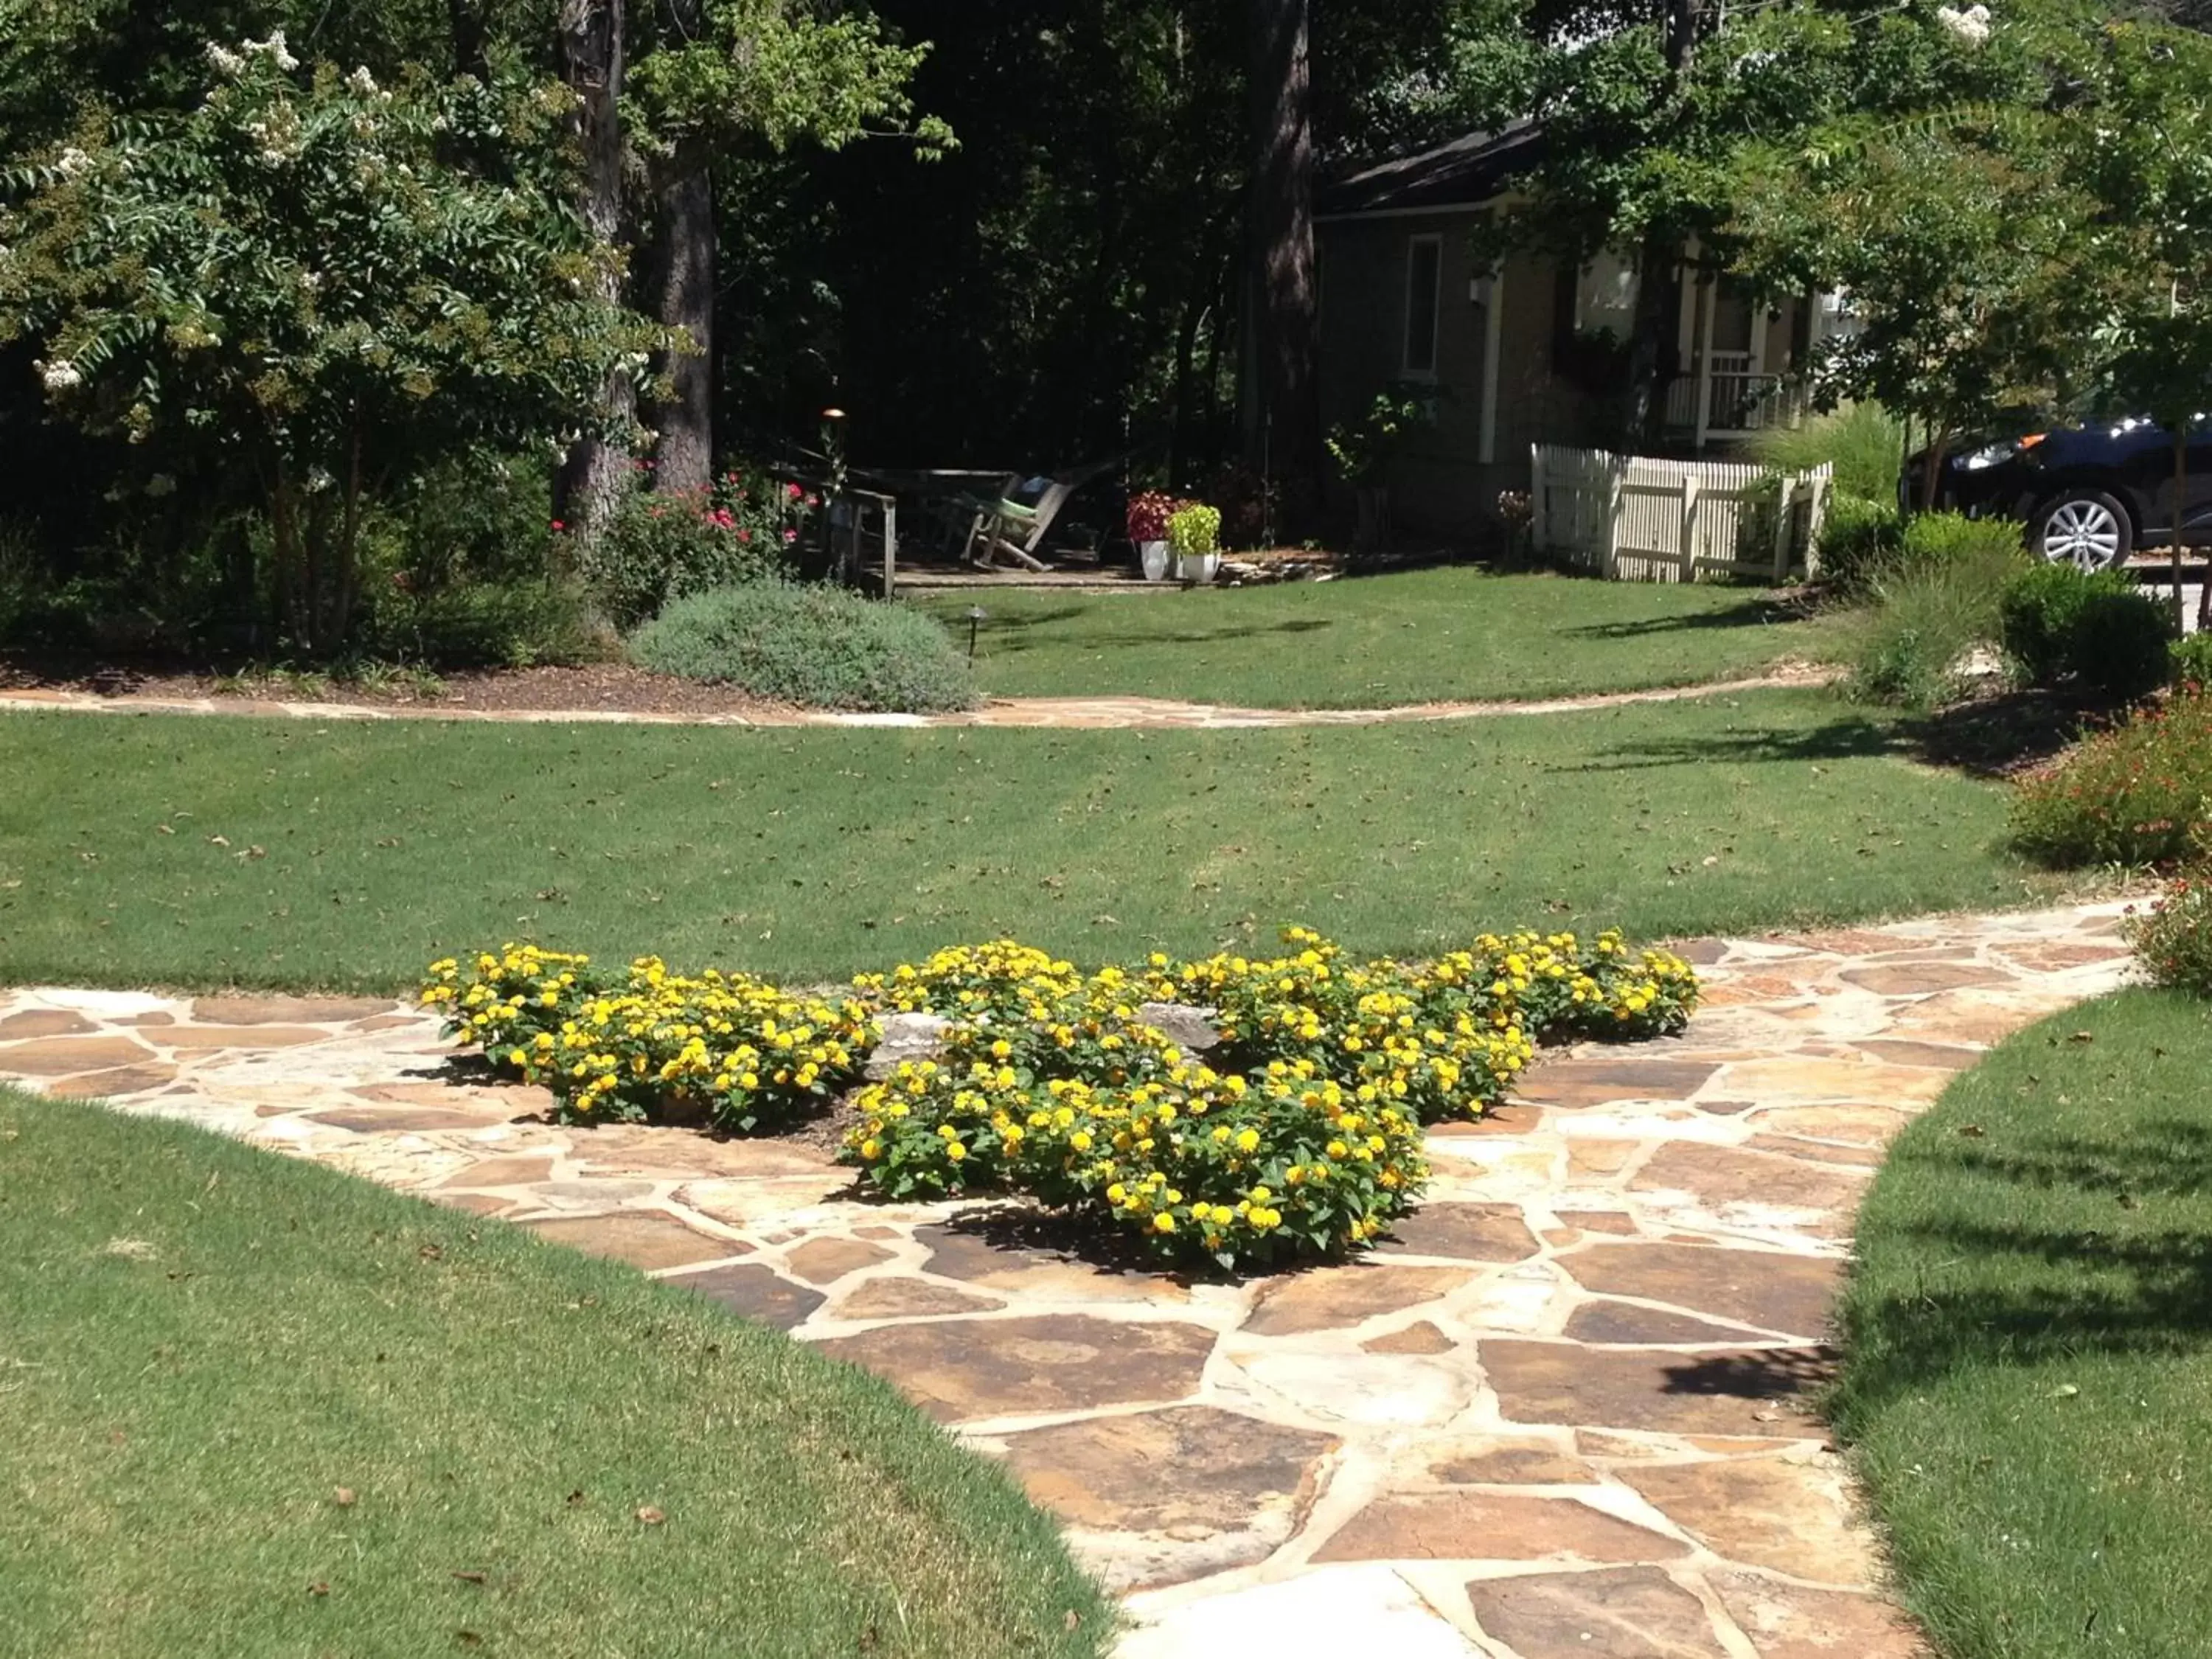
(170, 850)
(2027, 1342)
(244, 1394)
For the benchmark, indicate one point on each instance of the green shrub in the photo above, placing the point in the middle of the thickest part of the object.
(2173, 938)
(1863, 441)
(2123, 640)
(823, 647)
(525, 622)
(1857, 538)
(2101, 631)
(1929, 605)
(2139, 794)
(2039, 608)
(2189, 661)
(21, 576)
(1982, 547)
(665, 545)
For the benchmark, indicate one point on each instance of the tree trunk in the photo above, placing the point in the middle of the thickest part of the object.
(472, 40)
(1652, 347)
(1284, 430)
(590, 483)
(2180, 502)
(1658, 302)
(684, 455)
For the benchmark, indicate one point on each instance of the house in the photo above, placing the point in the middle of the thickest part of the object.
(1530, 352)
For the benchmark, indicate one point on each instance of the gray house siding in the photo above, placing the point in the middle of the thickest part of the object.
(1441, 484)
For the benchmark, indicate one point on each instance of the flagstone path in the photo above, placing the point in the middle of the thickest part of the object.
(1559, 1415)
(1063, 714)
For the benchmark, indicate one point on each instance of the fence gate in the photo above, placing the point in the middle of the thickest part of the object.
(1632, 518)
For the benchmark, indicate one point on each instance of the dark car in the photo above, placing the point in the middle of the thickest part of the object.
(2089, 495)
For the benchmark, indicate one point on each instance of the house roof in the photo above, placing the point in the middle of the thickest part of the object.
(1464, 173)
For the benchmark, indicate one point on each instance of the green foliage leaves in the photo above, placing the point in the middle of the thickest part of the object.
(301, 285)
(285, 264)
(779, 73)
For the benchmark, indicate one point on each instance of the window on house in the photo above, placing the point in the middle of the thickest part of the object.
(1605, 294)
(1425, 262)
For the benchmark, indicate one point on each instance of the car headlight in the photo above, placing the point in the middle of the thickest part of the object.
(1981, 460)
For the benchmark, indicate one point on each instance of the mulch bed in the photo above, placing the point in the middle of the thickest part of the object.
(611, 688)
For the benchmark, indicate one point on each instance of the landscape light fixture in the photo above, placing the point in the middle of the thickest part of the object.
(976, 615)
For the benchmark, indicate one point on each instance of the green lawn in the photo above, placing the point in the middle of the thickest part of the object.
(2029, 1343)
(176, 850)
(202, 1344)
(1372, 641)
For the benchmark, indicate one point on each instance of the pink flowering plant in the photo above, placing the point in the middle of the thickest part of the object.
(2173, 937)
(1149, 512)
(665, 544)
(2137, 794)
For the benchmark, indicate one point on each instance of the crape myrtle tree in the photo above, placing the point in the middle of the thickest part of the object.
(1691, 132)
(2139, 140)
(297, 282)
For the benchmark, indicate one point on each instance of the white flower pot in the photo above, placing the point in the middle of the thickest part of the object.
(1153, 557)
(1198, 567)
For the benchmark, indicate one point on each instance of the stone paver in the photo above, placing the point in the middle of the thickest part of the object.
(1561, 1411)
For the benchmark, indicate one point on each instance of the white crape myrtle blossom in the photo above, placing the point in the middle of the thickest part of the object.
(226, 61)
(60, 375)
(275, 49)
(73, 162)
(1971, 25)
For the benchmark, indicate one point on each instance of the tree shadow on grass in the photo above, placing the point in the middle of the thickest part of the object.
(2040, 1290)
(1848, 737)
(1749, 613)
(1010, 643)
(2004, 735)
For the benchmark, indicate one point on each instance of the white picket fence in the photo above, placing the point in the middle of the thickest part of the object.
(1631, 518)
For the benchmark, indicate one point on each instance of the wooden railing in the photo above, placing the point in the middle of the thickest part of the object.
(1731, 399)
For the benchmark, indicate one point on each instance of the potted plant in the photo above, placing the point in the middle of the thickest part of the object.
(1148, 515)
(1194, 538)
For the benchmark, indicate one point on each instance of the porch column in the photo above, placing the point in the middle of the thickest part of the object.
(1709, 289)
(1494, 337)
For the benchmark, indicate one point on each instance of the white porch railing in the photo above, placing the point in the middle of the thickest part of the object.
(1630, 518)
(1726, 398)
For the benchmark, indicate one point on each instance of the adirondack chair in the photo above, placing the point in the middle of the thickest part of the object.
(1015, 526)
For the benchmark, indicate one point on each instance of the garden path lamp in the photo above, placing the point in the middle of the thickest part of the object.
(975, 616)
(833, 446)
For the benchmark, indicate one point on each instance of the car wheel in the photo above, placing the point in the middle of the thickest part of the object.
(2085, 528)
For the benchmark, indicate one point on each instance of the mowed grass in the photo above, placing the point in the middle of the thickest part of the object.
(174, 850)
(202, 1344)
(2029, 1343)
(1376, 641)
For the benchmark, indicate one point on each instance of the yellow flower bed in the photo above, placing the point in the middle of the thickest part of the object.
(653, 1043)
(1298, 1135)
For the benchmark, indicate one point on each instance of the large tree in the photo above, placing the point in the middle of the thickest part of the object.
(1284, 420)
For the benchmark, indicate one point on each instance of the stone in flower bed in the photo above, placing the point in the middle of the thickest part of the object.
(1231, 1111)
